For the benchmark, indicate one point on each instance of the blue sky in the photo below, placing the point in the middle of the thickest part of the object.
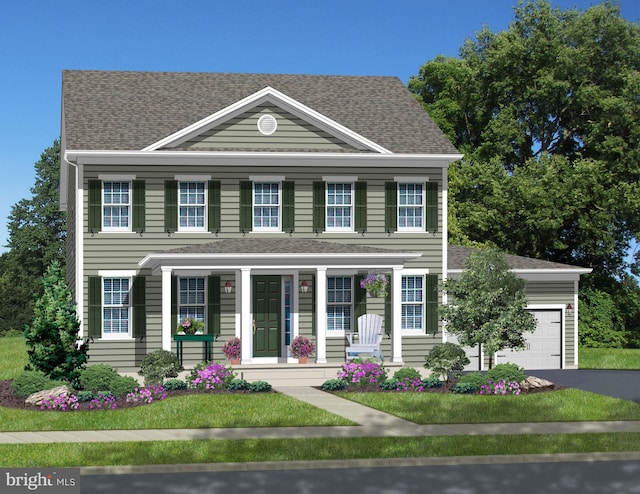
(40, 38)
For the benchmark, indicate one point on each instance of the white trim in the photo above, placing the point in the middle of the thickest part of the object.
(279, 99)
(267, 178)
(196, 179)
(410, 180)
(352, 206)
(423, 206)
(423, 273)
(192, 178)
(340, 179)
(272, 121)
(125, 274)
(117, 273)
(575, 325)
(445, 237)
(114, 177)
(320, 289)
(79, 253)
(166, 308)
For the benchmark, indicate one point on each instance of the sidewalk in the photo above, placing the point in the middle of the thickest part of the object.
(371, 423)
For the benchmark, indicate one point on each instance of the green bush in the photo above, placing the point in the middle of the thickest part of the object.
(158, 365)
(84, 395)
(474, 379)
(389, 384)
(237, 385)
(334, 385)
(194, 372)
(122, 385)
(463, 388)
(259, 387)
(446, 358)
(98, 377)
(432, 382)
(29, 382)
(174, 385)
(407, 373)
(506, 372)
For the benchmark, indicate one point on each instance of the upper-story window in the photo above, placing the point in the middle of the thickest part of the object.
(266, 206)
(339, 207)
(410, 206)
(192, 206)
(116, 206)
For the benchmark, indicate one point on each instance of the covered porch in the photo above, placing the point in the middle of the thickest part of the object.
(273, 284)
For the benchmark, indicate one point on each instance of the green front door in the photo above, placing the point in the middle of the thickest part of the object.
(266, 316)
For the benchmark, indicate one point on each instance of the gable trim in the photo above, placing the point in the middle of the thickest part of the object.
(268, 94)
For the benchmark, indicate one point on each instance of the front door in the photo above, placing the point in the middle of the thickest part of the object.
(267, 311)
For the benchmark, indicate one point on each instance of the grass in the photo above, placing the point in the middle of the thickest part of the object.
(609, 358)
(14, 356)
(557, 406)
(216, 451)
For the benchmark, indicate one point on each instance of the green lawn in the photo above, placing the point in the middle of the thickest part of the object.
(609, 358)
(212, 451)
(13, 356)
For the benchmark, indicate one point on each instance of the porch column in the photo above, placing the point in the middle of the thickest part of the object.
(396, 316)
(166, 308)
(321, 315)
(246, 322)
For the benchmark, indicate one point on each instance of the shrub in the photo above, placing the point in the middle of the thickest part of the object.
(212, 376)
(84, 395)
(333, 385)
(259, 387)
(407, 372)
(98, 377)
(29, 382)
(389, 384)
(473, 379)
(446, 358)
(432, 382)
(194, 372)
(506, 372)
(122, 385)
(237, 385)
(103, 400)
(158, 365)
(463, 388)
(174, 385)
(500, 388)
(362, 372)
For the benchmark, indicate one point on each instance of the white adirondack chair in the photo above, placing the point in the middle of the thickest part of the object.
(369, 337)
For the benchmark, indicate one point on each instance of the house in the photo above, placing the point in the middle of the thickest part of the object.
(256, 203)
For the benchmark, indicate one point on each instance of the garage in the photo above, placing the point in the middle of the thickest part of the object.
(544, 347)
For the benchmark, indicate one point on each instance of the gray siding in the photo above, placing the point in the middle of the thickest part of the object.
(71, 233)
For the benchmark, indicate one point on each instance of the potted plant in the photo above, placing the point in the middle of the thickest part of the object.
(301, 348)
(375, 284)
(232, 350)
(189, 325)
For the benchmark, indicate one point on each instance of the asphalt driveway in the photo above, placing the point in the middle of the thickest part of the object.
(622, 384)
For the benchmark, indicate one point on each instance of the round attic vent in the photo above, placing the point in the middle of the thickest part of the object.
(267, 124)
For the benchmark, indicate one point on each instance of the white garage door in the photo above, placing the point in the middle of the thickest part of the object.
(473, 354)
(543, 350)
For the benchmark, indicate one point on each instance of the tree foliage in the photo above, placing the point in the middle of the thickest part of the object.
(487, 305)
(53, 346)
(37, 232)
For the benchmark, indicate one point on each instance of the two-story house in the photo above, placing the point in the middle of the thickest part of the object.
(256, 204)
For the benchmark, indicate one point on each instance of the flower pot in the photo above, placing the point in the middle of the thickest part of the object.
(373, 294)
(235, 361)
(303, 360)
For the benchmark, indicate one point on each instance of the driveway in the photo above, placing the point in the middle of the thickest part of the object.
(622, 384)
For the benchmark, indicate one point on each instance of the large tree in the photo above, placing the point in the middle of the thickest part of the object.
(36, 238)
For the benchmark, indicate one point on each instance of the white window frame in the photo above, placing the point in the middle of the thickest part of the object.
(128, 205)
(351, 207)
(420, 207)
(278, 205)
(120, 277)
(203, 205)
(417, 273)
(196, 304)
(411, 181)
(340, 332)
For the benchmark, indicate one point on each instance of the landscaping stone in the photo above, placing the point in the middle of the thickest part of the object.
(36, 399)
(532, 383)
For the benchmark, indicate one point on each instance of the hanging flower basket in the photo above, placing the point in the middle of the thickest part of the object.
(375, 284)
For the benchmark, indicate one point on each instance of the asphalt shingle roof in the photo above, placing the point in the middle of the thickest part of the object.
(109, 110)
(458, 254)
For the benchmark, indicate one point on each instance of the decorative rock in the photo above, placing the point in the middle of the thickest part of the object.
(36, 399)
(533, 383)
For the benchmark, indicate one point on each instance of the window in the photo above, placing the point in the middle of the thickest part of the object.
(192, 206)
(339, 303)
(266, 206)
(340, 206)
(192, 298)
(116, 202)
(412, 303)
(410, 206)
(116, 307)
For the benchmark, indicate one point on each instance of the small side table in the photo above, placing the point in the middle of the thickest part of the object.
(207, 344)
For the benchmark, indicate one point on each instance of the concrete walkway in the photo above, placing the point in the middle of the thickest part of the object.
(371, 423)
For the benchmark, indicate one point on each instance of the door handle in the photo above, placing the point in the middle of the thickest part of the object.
(254, 326)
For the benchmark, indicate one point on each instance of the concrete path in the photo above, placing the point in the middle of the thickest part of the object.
(372, 423)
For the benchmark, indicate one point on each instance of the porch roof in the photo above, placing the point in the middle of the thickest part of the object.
(272, 253)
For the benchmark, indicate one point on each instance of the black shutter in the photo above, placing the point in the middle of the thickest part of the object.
(359, 298)
(314, 324)
(95, 205)
(138, 300)
(319, 214)
(139, 206)
(246, 203)
(361, 207)
(288, 207)
(213, 305)
(391, 206)
(431, 306)
(174, 303)
(431, 206)
(214, 206)
(171, 206)
(95, 307)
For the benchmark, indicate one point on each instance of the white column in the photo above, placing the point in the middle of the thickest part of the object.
(246, 321)
(166, 308)
(396, 316)
(320, 290)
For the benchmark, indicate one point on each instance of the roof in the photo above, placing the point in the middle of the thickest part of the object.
(128, 111)
(458, 254)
